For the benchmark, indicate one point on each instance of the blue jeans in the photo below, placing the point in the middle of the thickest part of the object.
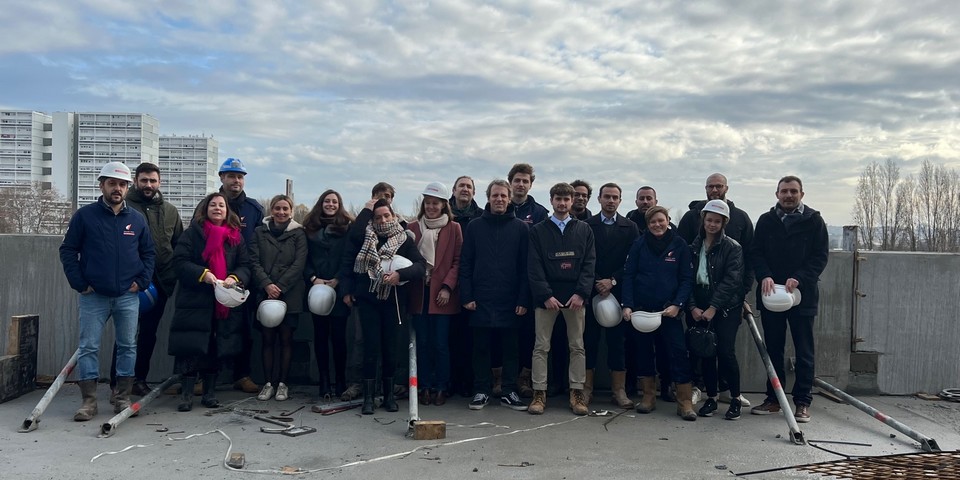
(433, 351)
(95, 309)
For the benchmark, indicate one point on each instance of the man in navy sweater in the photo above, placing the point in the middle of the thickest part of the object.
(107, 256)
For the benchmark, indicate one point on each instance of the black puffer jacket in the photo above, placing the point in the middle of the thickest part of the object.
(324, 254)
(193, 321)
(739, 228)
(724, 269)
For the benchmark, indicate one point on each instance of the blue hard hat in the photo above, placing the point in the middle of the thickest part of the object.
(233, 165)
(148, 298)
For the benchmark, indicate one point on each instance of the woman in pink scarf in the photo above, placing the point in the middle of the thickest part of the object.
(204, 333)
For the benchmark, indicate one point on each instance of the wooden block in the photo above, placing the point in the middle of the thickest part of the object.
(23, 335)
(429, 430)
(237, 460)
(927, 396)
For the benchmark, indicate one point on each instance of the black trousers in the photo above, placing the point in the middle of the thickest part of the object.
(484, 340)
(775, 336)
(614, 337)
(380, 324)
(330, 333)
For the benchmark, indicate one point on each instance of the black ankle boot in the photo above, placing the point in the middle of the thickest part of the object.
(367, 408)
(389, 401)
(186, 393)
(209, 399)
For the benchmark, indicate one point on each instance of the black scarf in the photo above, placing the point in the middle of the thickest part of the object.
(277, 229)
(659, 245)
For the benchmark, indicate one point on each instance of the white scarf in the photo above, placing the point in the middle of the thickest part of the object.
(429, 233)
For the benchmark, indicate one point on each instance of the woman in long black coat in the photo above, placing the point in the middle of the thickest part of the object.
(204, 333)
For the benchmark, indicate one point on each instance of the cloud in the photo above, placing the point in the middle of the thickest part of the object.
(344, 94)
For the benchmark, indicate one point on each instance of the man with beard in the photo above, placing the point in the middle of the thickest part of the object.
(233, 176)
(107, 256)
(527, 209)
(163, 219)
(739, 228)
(581, 195)
(493, 287)
(464, 210)
(646, 198)
(560, 269)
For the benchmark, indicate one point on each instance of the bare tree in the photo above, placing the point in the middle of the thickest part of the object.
(888, 176)
(34, 209)
(905, 214)
(866, 207)
(300, 212)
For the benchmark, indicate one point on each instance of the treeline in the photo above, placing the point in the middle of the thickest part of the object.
(918, 212)
(33, 209)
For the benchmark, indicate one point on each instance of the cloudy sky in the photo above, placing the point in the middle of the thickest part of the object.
(338, 94)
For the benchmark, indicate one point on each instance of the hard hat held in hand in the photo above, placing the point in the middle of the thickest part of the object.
(607, 310)
(781, 300)
(394, 263)
(645, 322)
(148, 298)
(321, 299)
(230, 296)
(270, 313)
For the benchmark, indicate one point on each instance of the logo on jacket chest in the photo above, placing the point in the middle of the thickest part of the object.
(128, 230)
(670, 258)
(243, 222)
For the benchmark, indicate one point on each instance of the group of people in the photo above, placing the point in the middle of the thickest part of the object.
(486, 283)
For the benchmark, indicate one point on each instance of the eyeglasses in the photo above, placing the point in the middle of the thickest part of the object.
(715, 186)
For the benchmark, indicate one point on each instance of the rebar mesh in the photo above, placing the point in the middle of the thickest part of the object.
(940, 465)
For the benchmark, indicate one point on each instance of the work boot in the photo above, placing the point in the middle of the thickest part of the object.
(389, 399)
(539, 402)
(351, 392)
(685, 402)
(246, 385)
(523, 383)
(209, 399)
(186, 393)
(141, 389)
(618, 382)
(666, 392)
(648, 402)
(124, 387)
(497, 381)
(588, 387)
(578, 403)
(88, 409)
(367, 408)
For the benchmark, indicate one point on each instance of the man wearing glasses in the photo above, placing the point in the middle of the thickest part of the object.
(581, 195)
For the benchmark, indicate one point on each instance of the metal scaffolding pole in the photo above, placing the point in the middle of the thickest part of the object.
(33, 421)
(796, 436)
(109, 428)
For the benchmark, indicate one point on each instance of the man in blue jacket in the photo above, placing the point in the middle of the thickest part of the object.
(493, 287)
(233, 177)
(108, 257)
(560, 268)
(790, 248)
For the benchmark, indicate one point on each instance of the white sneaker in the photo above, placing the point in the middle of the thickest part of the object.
(282, 392)
(266, 392)
(725, 398)
(697, 395)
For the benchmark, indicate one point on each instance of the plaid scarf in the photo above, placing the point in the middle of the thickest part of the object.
(369, 257)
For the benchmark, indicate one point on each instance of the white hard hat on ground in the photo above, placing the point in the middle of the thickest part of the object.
(780, 300)
(321, 299)
(645, 322)
(607, 310)
(270, 313)
(116, 170)
(232, 296)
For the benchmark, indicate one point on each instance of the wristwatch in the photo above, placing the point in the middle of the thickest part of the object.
(613, 281)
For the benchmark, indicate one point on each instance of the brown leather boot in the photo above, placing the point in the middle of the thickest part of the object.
(539, 402)
(578, 403)
(618, 384)
(685, 402)
(124, 387)
(588, 387)
(524, 383)
(648, 402)
(497, 389)
(88, 409)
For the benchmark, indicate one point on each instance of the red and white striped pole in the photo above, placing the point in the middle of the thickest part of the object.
(109, 428)
(796, 436)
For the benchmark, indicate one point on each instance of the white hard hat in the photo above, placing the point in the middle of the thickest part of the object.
(436, 189)
(645, 322)
(395, 263)
(780, 300)
(321, 299)
(607, 310)
(716, 206)
(116, 170)
(270, 312)
(230, 297)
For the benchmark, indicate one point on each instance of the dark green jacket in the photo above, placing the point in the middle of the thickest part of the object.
(280, 261)
(165, 226)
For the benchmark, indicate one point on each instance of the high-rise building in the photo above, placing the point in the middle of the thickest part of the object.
(130, 138)
(25, 148)
(188, 170)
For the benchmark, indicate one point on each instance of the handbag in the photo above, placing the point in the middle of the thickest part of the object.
(702, 341)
